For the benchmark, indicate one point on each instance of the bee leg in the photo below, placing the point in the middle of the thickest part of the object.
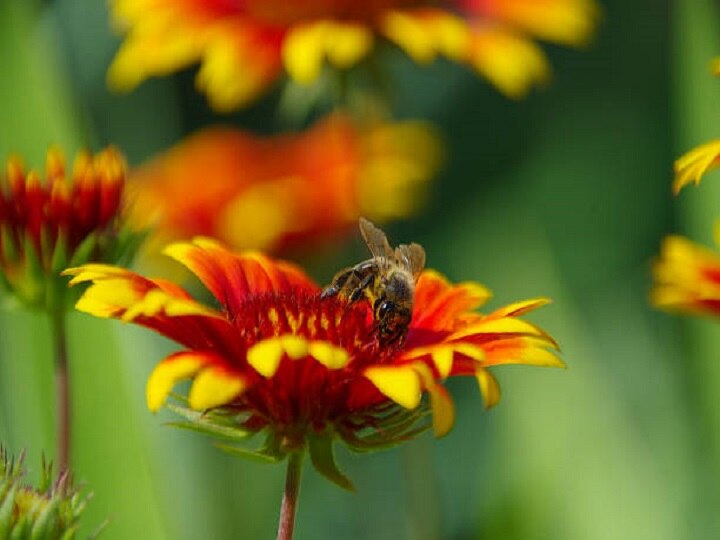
(358, 293)
(337, 284)
(329, 291)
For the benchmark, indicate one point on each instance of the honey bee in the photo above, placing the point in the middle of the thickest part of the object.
(387, 280)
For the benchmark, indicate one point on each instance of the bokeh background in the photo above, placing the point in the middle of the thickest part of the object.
(564, 194)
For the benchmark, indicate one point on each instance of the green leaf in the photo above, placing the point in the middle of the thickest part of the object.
(209, 424)
(323, 459)
(228, 433)
(255, 455)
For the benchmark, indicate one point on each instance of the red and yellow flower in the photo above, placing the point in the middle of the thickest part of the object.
(687, 278)
(243, 46)
(278, 358)
(270, 193)
(45, 225)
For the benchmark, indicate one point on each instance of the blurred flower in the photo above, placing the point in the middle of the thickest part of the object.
(244, 46)
(49, 511)
(272, 192)
(692, 166)
(48, 225)
(687, 277)
(303, 369)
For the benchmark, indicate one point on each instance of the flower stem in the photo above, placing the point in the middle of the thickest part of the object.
(290, 497)
(62, 387)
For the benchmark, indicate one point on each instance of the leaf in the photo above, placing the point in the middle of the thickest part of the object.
(210, 424)
(323, 459)
(255, 455)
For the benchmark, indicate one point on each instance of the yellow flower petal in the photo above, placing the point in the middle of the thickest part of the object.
(158, 301)
(532, 356)
(106, 298)
(511, 62)
(443, 410)
(693, 165)
(489, 387)
(409, 33)
(347, 43)
(328, 355)
(214, 387)
(443, 360)
(167, 373)
(505, 325)
(304, 50)
(265, 356)
(400, 384)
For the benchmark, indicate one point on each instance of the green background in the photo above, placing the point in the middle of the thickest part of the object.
(565, 194)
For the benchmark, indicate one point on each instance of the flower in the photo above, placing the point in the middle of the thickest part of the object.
(271, 193)
(244, 46)
(687, 278)
(692, 166)
(50, 510)
(277, 357)
(47, 225)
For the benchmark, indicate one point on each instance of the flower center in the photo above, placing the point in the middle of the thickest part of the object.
(303, 391)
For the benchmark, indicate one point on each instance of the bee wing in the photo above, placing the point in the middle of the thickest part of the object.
(411, 257)
(376, 241)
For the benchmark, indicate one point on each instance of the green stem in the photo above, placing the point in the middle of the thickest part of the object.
(290, 497)
(62, 387)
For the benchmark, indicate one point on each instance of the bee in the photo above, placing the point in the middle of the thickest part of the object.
(387, 280)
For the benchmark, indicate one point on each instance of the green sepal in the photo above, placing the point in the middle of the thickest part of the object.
(84, 251)
(127, 244)
(6, 510)
(59, 258)
(209, 423)
(46, 521)
(323, 459)
(255, 455)
(21, 530)
(69, 534)
(398, 426)
(9, 251)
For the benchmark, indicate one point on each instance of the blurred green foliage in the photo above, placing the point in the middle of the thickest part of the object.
(566, 194)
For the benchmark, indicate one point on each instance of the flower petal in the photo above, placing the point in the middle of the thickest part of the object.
(215, 386)
(401, 384)
(443, 409)
(489, 387)
(233, 277)
(265, 356)
(692, 166)
(505, 325)
(511, 62)
(439, 304)
(173, 369)
(329, 355)
(522, 351)
(425, 33)
(306, 46)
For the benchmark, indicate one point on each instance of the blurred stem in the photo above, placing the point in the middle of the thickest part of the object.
(290, 497)
(62, 386)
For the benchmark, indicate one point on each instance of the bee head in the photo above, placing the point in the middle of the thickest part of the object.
(393, 320)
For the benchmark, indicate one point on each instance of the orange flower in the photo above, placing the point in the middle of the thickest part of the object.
(277, 357)
(244, 46)
(271, 192)
(687, 278)
(44, 226)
